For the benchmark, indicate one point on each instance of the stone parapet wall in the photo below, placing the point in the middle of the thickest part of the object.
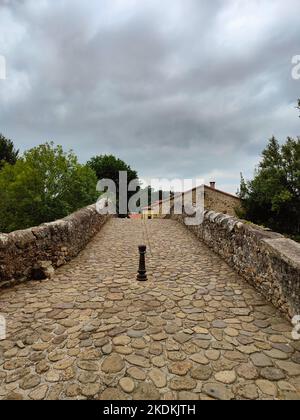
(51, 244)
(267, 260)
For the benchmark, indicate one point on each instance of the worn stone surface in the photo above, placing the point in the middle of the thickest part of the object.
(127, 385)
(158, 378)
(218, 391)
(113, 364)
(195, 330)
(226, 376)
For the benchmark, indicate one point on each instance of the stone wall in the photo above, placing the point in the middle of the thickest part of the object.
(28, 253)
(267, 260)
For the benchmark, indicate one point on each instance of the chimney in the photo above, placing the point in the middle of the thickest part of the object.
(213, 185)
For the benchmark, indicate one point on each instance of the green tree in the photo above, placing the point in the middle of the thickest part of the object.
(272, 198)
(108, 167)
(44, 185)
(8, 153)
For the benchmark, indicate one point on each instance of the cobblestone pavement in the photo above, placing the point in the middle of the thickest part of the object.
(195, 330)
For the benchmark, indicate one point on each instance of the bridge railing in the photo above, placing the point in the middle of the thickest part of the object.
(36, 251)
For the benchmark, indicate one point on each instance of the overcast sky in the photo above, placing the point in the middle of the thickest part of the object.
(176, 88)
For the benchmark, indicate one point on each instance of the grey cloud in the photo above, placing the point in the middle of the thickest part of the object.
(152, 82)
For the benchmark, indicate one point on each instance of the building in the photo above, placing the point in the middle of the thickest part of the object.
(214, 199)
(152, 212)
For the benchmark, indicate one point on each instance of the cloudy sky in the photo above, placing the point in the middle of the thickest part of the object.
(176, 88)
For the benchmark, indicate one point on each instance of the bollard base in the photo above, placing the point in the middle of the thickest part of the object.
(142, 277)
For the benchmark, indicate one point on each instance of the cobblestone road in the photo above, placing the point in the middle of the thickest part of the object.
(195, 330)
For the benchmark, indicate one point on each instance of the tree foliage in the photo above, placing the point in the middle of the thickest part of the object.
(108, 167)
(44, 185)
(272, 198)
(8, 153)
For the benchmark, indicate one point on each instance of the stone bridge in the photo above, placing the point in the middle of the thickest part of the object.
(195, 330)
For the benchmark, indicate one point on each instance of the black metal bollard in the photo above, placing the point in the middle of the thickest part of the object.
(142, 273)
